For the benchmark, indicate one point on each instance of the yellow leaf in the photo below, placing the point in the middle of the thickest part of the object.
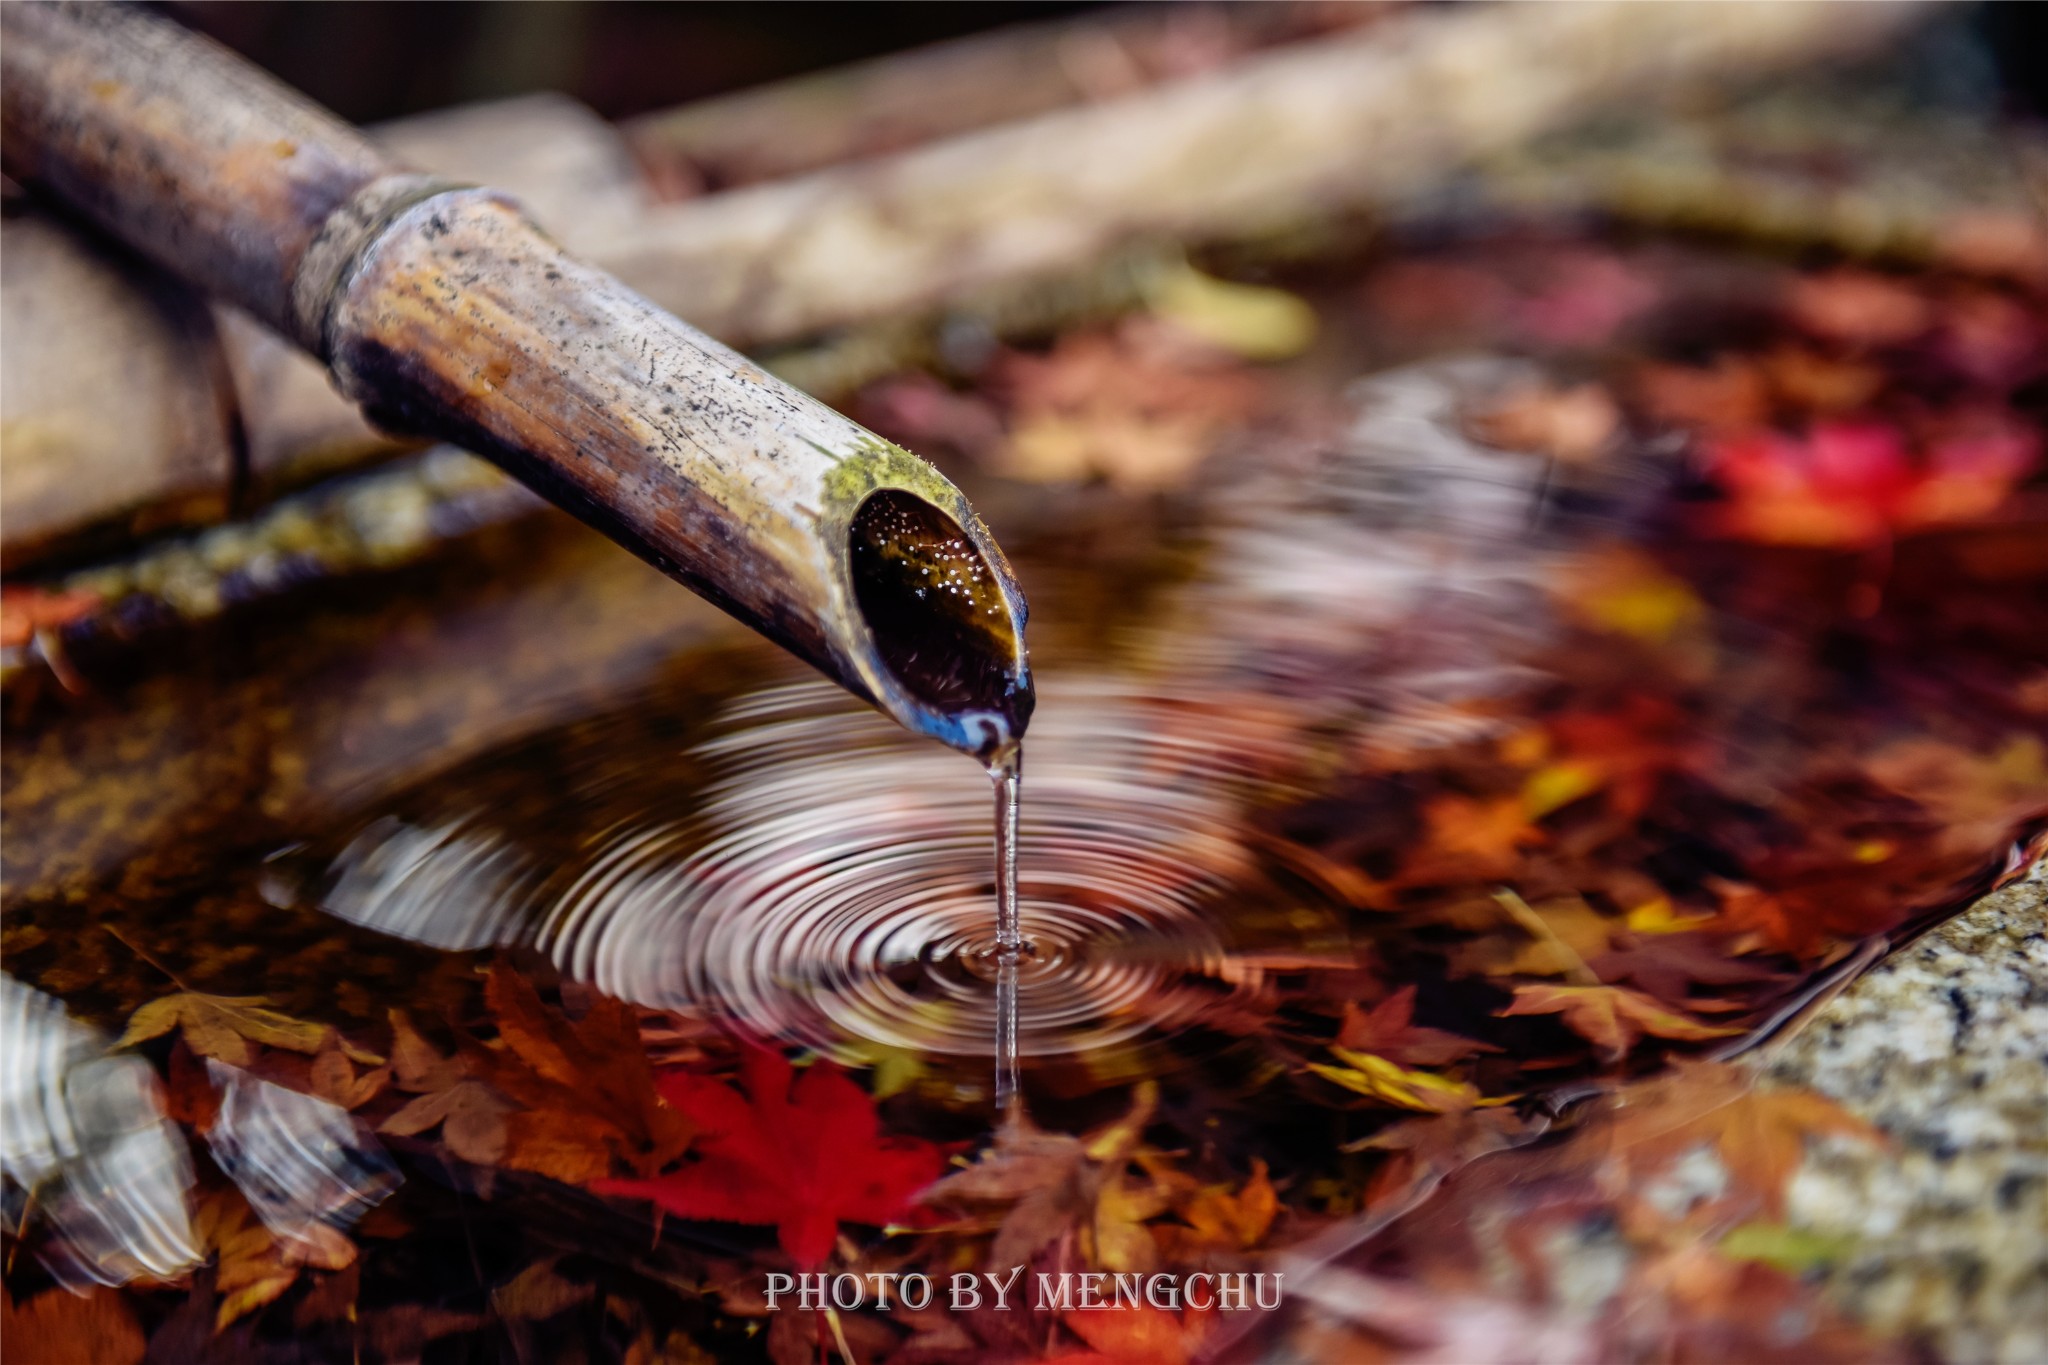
(1234, 1222)
(1790, 1249)
(224, 1027)
(1380, 1079)
(895, 1069)
(1251, 320)
(1628, 593)
(1556, 785)
(1122, 1241)
(1658, 916)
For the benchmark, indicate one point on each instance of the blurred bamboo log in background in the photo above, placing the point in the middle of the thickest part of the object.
(890, 104)
(1353, 122)
(1363, 120)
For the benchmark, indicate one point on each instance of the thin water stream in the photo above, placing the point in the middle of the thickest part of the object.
(1010, 948)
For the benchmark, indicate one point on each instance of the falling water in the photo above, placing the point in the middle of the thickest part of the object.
(1008, 774)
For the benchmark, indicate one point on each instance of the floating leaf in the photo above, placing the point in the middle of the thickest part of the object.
(1759, 1134)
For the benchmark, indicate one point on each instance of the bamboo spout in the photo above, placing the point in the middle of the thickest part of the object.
(444, 312)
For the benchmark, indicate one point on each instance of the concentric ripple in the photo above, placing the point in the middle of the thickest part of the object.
(836, 885)
(818, 875)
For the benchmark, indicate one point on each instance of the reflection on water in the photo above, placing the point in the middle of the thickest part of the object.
(300, 1161)
(1364, 654)
(85, 1139)
(84, 1135)
(834, 884)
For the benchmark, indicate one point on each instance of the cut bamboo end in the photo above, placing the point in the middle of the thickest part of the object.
(459, 319)
(444, 312)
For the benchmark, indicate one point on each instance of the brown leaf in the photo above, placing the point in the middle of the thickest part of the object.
(1609, 1017)
(1667, 965)
(1576, 425)
(538, 1293)
(58, 1327)
(1469, 838)
(471, 1117)
(571, 1100)
(1050, 1182)
(1859, 307)
(1389, 1031)
(1137, 1336)
(586, 1087)
(189, 1096)
(228, 1028)
(415, 1063)
(1803, 919)
(333, 1077)
(1132, 407)
(1729, 395)
(1983, 798)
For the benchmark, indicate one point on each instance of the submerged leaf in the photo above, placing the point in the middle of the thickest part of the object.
(1759, 1134)
(1379, 1079)
(228, 1028)
(255, 1265)
(1609, 1017)
(59, 1327)
(803, 1157)
(1389, 1031)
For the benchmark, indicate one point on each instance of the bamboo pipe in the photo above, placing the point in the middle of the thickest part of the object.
(444, 312)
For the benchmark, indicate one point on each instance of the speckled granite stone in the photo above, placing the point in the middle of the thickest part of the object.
(1944, 1048)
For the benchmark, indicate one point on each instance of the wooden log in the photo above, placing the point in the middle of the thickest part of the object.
(446, 313)
(906, 99)
(115, 415)
(1354, 122)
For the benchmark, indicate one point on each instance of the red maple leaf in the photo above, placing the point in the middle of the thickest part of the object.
(803, 1157)
(1857, 482)
(1804, 917)
(1629, 749)
(1390, 1031)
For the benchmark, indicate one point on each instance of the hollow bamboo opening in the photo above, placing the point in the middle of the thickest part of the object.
(937, 612)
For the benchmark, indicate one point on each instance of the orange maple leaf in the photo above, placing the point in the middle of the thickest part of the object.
(1803, 919)
(1141, 1335)
(1759, 1134)
(1469, 838)
(1611, 1018)
(26, 610)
